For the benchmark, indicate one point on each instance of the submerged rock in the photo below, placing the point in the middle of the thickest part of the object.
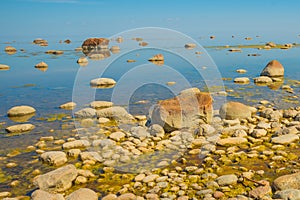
(185, 110)
(76, 144)
(101, 104)
(235, 110)
(86, 113)
(273, 69)
(20, 128)
(82, 61)
(190, 46)
(263, 80)
(58, 180)
(68, 106)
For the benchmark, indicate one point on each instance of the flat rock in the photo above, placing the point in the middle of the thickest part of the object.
(150, 178)
(117, 136)
(68, 106)
(288, 194)
(261, 191)
(230, 179)
(85, 113)
(235, 110)
(285, 139)
(102, 82)
(43, 195)
(263, 80)
(55, 158)
(101, 104)
(83, 193)
(91, 155)
(58, 180)
(116, 113)
(273, 69)
(20, 128)
(4, 67)
(291, 181)
(20, 111)
(242, 80)
(76, 144)
(231, 141)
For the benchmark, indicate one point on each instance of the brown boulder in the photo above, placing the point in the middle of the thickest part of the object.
(184, 110)
(273, 69)
(94, 43)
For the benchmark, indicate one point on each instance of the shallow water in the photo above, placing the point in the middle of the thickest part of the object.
(45, 91)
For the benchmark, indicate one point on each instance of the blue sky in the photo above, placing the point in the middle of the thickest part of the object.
(107, 17)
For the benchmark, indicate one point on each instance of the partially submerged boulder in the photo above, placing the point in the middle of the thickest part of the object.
(185, 110)
(273, 69)
(94, 43)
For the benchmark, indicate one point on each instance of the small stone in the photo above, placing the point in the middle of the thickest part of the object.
(68, 106)
(288, 194)
(285, 139)
(242, 80)
(83, 193)
(224, 180)
(80, 180)
(117, 136)
(110, 197)
(102, 82)
(257, 133)
(43, 195)
(241, 71)
(55, 158)
(18, 111)
(11, 165)
(263, 80)
(76, 144)
(20, 128)
(150, 178)
(231, 141)
(41, 65)
(4, 67)
(127, 196)
(101, 104)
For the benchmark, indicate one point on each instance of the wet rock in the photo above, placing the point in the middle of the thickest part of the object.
(242, 80)
(67, 41)
(131, 60)
(76, 144)
(10, 50)
(235, 110)
(184, 110)
(190, 46)
(4, 67)
(116, 113)
(285, 139)
(20, 128)
(18, 111)
(235, 50)
(40, 42)
(143, 44)
(68, 106)
(55, 158)
(82, 60)
(291, 181)
(86, 113)
(54, 52)
(263, 80)
(43, 195)
(99, 82)
(41, 65)
(157, 57)
(288, 194)
(101, 104)
(93, 44)
(273, 69)
(58, 180)
(232, 141)
(83, 193)
(241, 71)
(230, 179)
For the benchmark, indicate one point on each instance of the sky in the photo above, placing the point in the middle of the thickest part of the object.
(38, 18)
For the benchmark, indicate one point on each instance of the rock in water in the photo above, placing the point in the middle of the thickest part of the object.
(42, 195)
(291, 181)
(41, 65)
(157, 57)
(94, 43)
(273, 69)
(18, 111)
(235, 110)
(4, 67)
(184, 110)
(102, 82)
(55, 158)
(116, 113)
(20, 128)
(83, 193)
(58, 180)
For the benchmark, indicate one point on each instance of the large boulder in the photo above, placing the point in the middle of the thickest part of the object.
(116, 113)
(83, 193)
(235, 110)
(273, 69)
(94, 43)
(58, 180)
(187, 109)
(291, 181)
(18, 111)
